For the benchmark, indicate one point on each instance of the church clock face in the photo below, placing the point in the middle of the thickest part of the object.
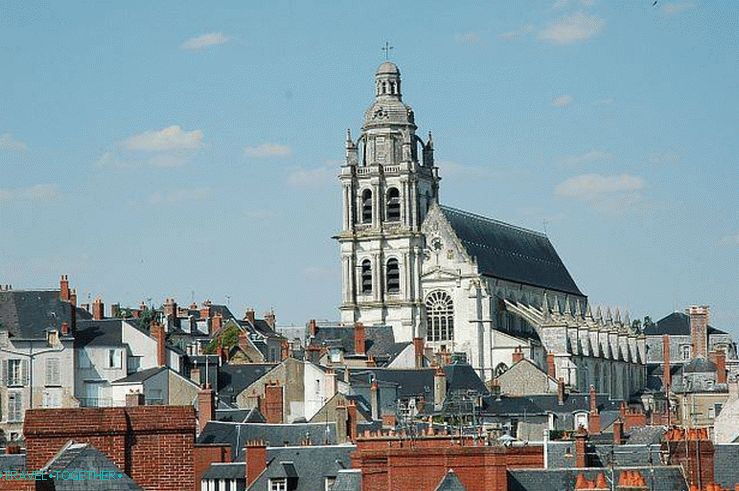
(436, 244)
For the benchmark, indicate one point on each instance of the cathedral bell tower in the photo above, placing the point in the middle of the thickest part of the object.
(388, 182)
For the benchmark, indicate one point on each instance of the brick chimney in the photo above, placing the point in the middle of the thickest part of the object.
(594, 418)
(216, 323)
(195, 375)
(270, 319)
(285, 350)
(206, 406)
(666, 376)
(12, 448)
(718, 357)
(64, 288)
(551, 368)
(98, 309)
(134, 399)
(375, 400)
(250, 315)
(157, 332)
(255, 456)
(561, 391)
(65, 329)
(205, 310)
(312, 327)
(618, 432)
(115, 310)
(243, 340)
(439, 388)
(517, 355)
(351, 420)
(331, 385)
(699, 330)
(581, 456)
(170, 308)
(273, 402)
(418, 346)
(359, 339)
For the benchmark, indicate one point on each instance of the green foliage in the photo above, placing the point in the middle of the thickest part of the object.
(229, 337)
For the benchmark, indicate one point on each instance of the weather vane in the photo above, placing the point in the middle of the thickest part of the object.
(387, 49)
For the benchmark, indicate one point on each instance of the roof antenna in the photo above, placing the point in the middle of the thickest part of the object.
(545, 222)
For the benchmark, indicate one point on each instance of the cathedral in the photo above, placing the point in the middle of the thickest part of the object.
(484, 290)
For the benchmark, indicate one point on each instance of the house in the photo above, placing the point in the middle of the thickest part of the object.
(36, 352)
(158, 385)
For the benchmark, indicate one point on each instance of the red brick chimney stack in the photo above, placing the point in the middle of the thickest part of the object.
(561, 391)
(581, 457)
(551, 368)
(250, 315)
(98, 309)
(618, 432)
(216, 323)
(64, 288)
(718, 357)
(375, 400)
(157, 332)
(206, 406)
(312, 327)
(65, 329)
(517, 355)
(270, 319)
(205, 310)
(351, 416)
(134, 399)
(594, 418)
(666, 376)
(359, 339)
(243, 340)
(418, 346)
(170, 308)
(273, 402)
(285, 352)
(699, 330)
(255, 456)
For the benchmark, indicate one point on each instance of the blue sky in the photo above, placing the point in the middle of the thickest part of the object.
(190, 149)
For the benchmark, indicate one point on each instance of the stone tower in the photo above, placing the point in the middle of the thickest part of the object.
(388, 184)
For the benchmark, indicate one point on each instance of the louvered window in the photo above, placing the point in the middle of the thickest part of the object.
(366, 276)
(393, 276)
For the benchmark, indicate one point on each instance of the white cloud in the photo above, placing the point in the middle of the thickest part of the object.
(9, 142)
(605, 192)
(301, 177)
(572, 28)
(587, 158)
(170, 138)
(179, 195)
(562, 100)
(468, 38)
(38, 192)
(205, 41)
(522, 31)
(672, 8)
(267, 150)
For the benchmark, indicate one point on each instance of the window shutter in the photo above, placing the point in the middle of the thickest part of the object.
(24, 372)
(49, 374)
(4, 373)
(57, 374)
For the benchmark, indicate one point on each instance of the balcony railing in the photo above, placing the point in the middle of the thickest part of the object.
(96, 402)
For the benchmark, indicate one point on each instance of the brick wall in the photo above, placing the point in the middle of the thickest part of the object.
(391, 463)
(152, 444)
(205, 454)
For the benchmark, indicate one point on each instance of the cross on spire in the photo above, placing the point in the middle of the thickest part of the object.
(387, 49)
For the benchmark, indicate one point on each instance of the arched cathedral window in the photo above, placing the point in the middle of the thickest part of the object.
(393, 276)
(367, 206)
(366, 276)
(393, 205)
(440, 314)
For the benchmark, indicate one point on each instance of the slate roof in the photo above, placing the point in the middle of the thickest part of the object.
(236, 434)
(699, 365)
(450, 482)
(12, 462)
(240, 415)
(106, 332)
(675, 324)
(509, 252)
(461, 376)
(348, 480)
(666, 478)
(379, 340)
(230, 470)
(27, 314)
(233, 379)
(725, 468)
(82, 456)
(306, 466)
(544, 403)
(140, 376)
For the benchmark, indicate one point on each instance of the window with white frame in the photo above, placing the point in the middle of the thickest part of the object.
(15, 406)
(115, 358)
(53, 375)
(17, 371)
(440, 315)
(278, 484)
(685, 351)
(52, 398)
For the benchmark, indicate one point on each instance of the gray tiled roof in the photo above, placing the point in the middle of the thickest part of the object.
(660, 478)
(29, 313)
(675, 324)
(240, 415)
(139, 376)
(107, 332)
(237, 434)
(725, 468)
(230, 470)
(509, 252)
(348, 480)
(233, 379)
(306, 466)
(83, 456)
(450, 482)
(379, 340)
